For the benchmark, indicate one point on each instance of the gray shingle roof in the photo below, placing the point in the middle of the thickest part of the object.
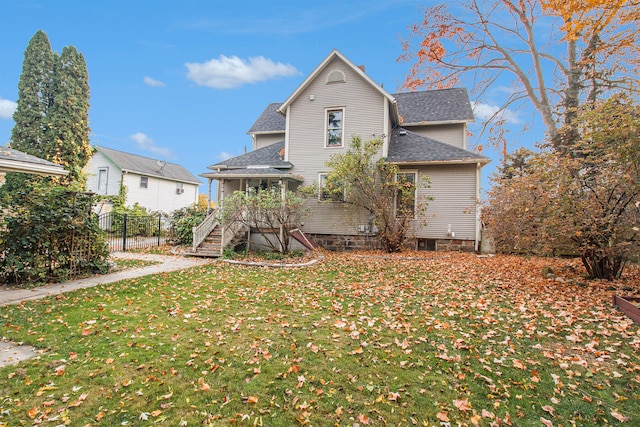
(444, 105)
(270, 120)
(148, 166)
(265, 156)
(7, 153)
(12, 160)
(413, 148)
(434, 106)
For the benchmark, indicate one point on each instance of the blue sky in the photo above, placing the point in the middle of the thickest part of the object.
(183, 81)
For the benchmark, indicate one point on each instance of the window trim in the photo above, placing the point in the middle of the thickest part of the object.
(416, 175)
(327, 111)
(146, 182)
(321, 185)
(104, 169)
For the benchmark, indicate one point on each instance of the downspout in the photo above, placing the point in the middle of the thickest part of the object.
(209, 204)
(478, 209)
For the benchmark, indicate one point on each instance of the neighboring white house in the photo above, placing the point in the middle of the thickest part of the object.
(424, 133)
(156, 185)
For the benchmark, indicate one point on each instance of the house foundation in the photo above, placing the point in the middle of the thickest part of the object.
(341, 243)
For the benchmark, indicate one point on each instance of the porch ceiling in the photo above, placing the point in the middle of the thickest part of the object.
(251, 173)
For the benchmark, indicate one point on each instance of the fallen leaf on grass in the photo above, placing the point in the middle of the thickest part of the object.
(462, 404)
(443, 416)
(618, 416)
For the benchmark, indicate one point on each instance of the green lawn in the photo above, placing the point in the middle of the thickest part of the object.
(449, 339)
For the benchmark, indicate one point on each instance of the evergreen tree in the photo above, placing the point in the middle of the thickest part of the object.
(52, 118)
(67, 138)
(34, 99)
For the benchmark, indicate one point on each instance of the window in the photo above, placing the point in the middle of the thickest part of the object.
(335, 123)
(179, 188)
(144, 182)
(324, 193)
(103, 176)
(406, 194)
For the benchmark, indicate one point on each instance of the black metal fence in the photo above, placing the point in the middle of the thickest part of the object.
(127, 231)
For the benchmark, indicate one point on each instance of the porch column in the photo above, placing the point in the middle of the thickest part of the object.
(283, 194)
(209, 202)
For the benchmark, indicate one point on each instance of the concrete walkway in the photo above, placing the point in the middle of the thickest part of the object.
(11, 353)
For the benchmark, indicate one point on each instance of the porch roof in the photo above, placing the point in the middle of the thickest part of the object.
(248, 173)
(408, 147)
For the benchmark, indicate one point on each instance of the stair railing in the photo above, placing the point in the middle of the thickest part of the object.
(201, 231)
(235, 226)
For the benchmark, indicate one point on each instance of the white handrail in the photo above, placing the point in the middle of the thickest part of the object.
(200, 232)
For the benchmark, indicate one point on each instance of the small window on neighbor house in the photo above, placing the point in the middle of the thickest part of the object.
(103, 176)
(179, 188)
(335, 123)
(144, 182)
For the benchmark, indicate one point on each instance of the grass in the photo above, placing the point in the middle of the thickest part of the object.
(450, 338)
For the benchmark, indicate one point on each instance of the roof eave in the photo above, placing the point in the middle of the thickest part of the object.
(482, 162)
(31, 168)
(438, 122)
(166, 178)
(213, 175)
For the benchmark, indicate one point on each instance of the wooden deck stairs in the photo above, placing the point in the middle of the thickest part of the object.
(210, 237)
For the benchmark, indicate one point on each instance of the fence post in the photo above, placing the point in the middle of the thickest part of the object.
(124, 233)
(158, 229)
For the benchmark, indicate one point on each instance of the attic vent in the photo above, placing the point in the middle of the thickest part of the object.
(336, 76)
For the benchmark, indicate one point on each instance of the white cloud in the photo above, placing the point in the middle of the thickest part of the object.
(7, 108)
(224, 155)
(153, 82)
(232, 72)
(145, 143)
(486, 111)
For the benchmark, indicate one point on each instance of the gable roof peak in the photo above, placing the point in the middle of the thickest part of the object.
(335, 53)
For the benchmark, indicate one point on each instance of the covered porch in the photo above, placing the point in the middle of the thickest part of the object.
(210, 238)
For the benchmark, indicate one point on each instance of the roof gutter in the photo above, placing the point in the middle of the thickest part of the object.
(32, 168)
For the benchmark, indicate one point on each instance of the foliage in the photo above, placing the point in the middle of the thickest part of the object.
(583, 199)
(364, 179)
(359, 338)
(484, 41)
(50, 236)
(268, 213)
(183, 220)
(52, 116)
(67, 120)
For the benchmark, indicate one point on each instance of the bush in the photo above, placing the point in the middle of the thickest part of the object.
(183, 220)
(50, 235)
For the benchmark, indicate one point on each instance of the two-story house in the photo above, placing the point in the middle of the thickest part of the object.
(424, 133)
(156, 185)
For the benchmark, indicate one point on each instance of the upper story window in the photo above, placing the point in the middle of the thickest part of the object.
(179, 188)
(335, 124)
(144, 182)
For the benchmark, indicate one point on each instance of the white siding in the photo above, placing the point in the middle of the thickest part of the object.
(453, 134)
(364, 114)
(454, 190)
(160, 194)
(97, 162)
(267, 139)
